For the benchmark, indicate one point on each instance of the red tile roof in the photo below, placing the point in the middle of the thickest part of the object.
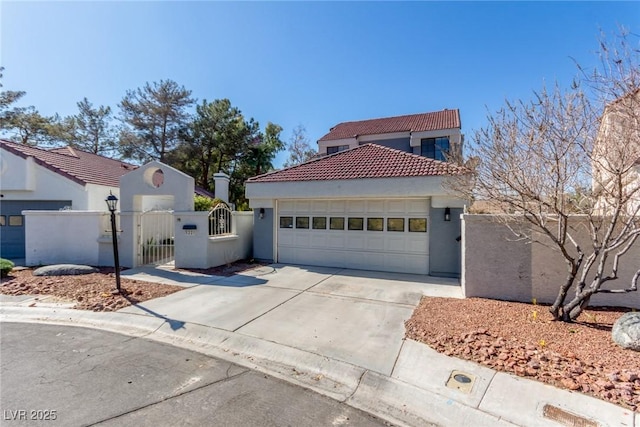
(78, 166)
(364, 161)
(445, 119)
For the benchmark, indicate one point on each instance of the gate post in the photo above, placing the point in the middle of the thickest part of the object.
(128, 236)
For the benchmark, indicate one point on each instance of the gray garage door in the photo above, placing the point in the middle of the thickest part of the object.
(12, 223)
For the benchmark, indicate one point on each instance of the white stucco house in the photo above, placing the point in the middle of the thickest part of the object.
(62, 178)
(373, 199)
(36, 179)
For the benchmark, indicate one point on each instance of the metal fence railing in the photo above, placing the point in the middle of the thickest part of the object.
(220, 220)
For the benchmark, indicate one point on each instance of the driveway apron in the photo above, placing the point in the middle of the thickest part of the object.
(353, 316)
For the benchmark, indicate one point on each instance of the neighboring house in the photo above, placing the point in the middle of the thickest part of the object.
(37, 179)
(616, 155)
(371, 206)
(433, 135)
(33, 178)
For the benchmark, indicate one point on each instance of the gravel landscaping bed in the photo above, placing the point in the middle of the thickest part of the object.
(94, 291)
(88, 291)
(524, 340)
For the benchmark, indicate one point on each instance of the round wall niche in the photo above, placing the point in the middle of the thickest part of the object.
(154, 177)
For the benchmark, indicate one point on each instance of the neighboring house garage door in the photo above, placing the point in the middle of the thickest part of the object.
(12, 224)
(383, 235)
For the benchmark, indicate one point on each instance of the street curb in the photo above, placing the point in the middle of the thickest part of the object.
(407, 401)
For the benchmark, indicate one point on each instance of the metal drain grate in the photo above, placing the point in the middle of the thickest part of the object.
(566, 418)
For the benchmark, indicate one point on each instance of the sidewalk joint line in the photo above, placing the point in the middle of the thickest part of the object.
(268, 311)
(493, 376)
(395, 362)
(282, 303)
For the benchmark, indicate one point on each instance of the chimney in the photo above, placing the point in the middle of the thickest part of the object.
(221, 184)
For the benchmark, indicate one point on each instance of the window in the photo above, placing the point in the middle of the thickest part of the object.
(302, 222)
(336, 148)
(417, 225)
(3, 220)
(286, 222)
(356, 224)
(395, 224)
(336, 223)
(319, 223)
(15, 220)
(435, 148)
(374, 224)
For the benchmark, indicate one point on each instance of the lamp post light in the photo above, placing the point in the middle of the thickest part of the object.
(112, 203)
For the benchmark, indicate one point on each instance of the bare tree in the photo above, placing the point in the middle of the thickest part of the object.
(566, 163)
(299, 147)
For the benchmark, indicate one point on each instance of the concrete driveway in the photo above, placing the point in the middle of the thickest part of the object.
(350, 315)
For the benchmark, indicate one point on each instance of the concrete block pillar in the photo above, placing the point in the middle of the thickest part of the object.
(221, 183)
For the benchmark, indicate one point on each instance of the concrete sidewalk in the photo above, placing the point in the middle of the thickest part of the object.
(340, 333)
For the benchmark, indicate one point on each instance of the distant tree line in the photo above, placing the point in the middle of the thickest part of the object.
(157, 122)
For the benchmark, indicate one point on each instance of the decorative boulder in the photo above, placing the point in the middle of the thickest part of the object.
(626, 331)
(64, 270)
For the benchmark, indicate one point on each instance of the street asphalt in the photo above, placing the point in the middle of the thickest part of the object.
(71, 376)
(337, 332)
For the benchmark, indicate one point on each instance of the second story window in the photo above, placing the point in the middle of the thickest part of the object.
(336, 148)
(435, 148)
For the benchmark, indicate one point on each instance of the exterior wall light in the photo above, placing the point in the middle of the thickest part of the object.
(261, 213)
(447, 214)
(112, 204)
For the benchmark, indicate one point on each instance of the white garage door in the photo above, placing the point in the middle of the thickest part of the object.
(383, 235)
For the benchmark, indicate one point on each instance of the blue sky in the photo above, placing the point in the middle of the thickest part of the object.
(310, 63)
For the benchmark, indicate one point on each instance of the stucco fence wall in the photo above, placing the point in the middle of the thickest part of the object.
(495, 265)
(84, 237)
(194, 248)
(61, 237)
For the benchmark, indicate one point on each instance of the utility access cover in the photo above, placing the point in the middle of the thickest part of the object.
(461, 381)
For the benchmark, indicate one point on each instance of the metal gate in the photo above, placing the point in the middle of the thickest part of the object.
(155, 237)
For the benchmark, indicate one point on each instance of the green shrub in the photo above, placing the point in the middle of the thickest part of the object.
(203, 203)
(5, 267)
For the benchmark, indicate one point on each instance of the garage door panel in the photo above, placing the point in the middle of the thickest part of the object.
(318, 241)
(417, 245)
(336, 241)
(395, 244)
(356, 206)
(396, 206)
(320, 207)
(354, 241)
(303, 206)
(337, 206)
(397, 251)
(375, 243)
(285, 237)
(417, 207)
(376, 206)
(302, 239)
(395, 262)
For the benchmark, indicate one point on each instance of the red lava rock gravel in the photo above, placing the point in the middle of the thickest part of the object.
(524, 340)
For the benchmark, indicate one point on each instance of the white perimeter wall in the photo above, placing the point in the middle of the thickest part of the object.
(196, 249)
(68, 237)
(496, 266)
